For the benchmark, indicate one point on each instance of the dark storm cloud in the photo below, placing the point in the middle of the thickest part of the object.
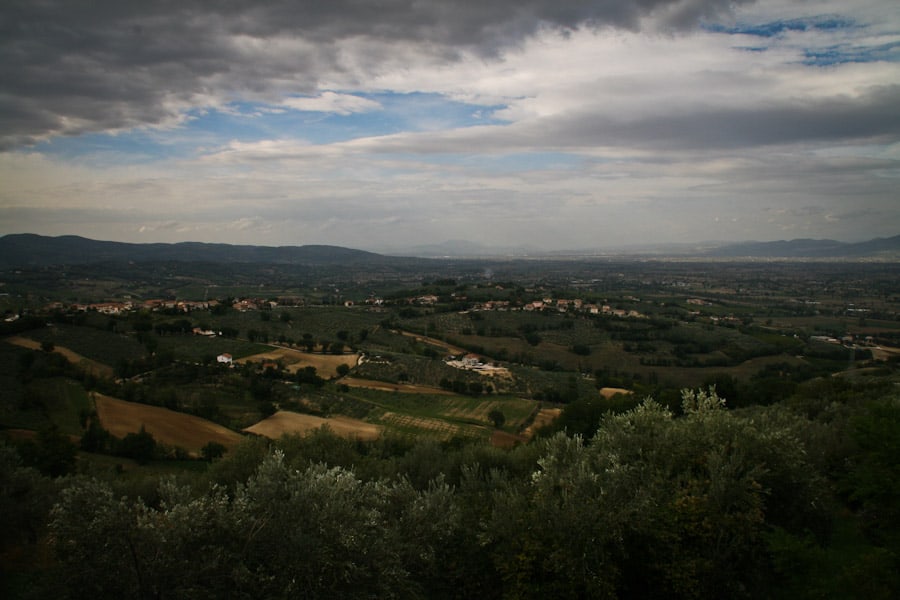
(73, 66)
(870, 116)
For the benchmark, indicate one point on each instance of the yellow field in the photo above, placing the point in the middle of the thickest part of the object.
(167, 427)
(544, 417)
(326, 364)
(284, 422)
(91, 366)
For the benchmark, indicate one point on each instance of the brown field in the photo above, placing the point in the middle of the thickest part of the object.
(544, 417)
(326, 364)
(609, 392)
(405, 388)
(167, 426)
(87, 364)
(503, 439)
(284, 422)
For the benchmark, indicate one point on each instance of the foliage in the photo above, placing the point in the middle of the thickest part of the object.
(53, 453)
(651, 505)
(655, 503)
(319, 532)
(140, 446)
(26, 498)
(212, 451)
(873, 481)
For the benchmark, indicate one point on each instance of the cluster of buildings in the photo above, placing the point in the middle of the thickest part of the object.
(117, 308)
(561, 305)
(245, 304)
(472, 362)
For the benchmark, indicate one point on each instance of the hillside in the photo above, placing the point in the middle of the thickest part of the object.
(35, 250)
(809, 248)
(31, 250)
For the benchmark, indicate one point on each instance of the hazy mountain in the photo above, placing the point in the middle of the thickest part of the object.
(36, 250)
(463, 249)
(808, 248)
(879, 248)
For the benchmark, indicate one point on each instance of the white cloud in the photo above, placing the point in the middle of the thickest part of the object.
(331, 102)
(595, 136)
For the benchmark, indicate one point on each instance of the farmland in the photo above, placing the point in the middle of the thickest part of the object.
(394, 356)
(89, 365)
(285, 423)
(446, 402)
(166, 426)
(294, 360)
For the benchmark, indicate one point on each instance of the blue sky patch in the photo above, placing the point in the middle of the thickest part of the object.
(249, 122)
(398, 113)
(776, 28)
(834, 55)
(132, 147)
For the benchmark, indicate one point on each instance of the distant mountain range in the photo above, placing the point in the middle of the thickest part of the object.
(35, 250)
(879, 248)
(807, 248)
(20, 250)
(464, 249)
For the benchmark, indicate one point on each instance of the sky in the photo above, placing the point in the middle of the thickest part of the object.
(384, 125)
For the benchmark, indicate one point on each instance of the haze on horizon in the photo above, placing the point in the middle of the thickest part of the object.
(383, 125)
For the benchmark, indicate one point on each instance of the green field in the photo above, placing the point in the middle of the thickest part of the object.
(102, 345)
(436, 415)
(45, 402)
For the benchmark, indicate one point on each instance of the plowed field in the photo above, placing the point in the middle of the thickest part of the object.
(167, 426)
(544, 417)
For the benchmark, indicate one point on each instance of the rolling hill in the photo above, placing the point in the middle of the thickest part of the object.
(31, 250)
(35, 250)
(810, 248)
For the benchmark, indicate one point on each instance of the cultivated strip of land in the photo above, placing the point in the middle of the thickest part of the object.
(87, 364)
(167, 426)
(284, 422)
(326, 364)
(405, 388)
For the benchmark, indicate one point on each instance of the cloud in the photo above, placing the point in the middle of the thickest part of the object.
(597, 122)
(76, 66)
(331, 102)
